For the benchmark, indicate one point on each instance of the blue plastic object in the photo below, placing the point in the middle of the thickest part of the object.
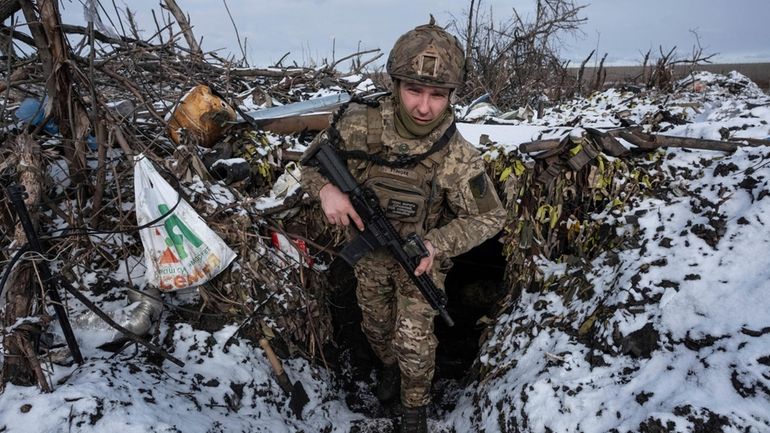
(31, 110)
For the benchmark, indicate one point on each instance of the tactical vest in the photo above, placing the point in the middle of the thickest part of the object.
(410, 196)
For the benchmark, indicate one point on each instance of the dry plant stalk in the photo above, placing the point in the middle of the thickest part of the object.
(516, 60)
(662, 71)
(21, 365)
(67, 107)
(184, 23)
(119, 86)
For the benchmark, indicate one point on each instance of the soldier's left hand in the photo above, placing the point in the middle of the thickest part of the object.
(426, 262)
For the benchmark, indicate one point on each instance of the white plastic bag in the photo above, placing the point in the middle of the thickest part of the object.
(180, 250)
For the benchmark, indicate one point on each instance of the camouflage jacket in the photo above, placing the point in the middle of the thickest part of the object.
(464, 209)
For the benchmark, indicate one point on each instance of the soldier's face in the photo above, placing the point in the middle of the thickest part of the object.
(423, 103)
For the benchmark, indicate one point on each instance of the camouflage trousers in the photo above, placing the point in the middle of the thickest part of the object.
(398, 322)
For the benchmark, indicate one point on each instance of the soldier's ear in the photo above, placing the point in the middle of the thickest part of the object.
(395, 88)
(394, 85)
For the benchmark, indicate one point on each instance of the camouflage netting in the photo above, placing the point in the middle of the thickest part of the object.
(567, 220)
(572, 278)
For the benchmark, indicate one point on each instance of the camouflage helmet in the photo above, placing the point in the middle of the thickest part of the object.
(428, 55)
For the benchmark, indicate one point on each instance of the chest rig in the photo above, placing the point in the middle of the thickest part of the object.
(405, 184)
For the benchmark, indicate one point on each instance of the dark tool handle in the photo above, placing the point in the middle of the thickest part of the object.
(16, 193)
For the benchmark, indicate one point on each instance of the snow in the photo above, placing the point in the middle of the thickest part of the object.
(706, 297)
(59, 173)
(366, 85)
(712, 313)
(124, 394)
(510, 137)
(228, 162)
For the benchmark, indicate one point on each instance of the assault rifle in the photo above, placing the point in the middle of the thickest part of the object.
(378, 231)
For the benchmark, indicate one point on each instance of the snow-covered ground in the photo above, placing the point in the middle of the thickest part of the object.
(674, 336)
(676, 333)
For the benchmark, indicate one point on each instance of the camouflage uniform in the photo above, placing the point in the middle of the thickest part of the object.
(461, 211)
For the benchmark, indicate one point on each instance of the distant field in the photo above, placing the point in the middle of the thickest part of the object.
(758, 72)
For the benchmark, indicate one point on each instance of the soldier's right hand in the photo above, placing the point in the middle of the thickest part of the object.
(337, 207)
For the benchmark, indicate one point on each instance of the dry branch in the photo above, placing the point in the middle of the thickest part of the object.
(516, 60)
(20, 367)
(101, 37)
(8, 8)
(125, 86)
(581, 71)
(184, 23)
(654, 141)
(601, 74)
(66, 105)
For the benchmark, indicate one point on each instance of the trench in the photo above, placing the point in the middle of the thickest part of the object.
(473, 286)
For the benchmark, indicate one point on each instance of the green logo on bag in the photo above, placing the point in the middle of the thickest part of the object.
(176, 239)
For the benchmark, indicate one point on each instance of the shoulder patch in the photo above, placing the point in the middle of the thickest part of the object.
(484, 193)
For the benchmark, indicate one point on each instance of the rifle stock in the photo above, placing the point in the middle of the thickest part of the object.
(378, 230)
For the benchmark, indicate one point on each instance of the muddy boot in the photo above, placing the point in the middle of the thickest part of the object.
(414, 420)
(388, 383)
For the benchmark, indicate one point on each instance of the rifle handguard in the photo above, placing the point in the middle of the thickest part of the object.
(415, 247)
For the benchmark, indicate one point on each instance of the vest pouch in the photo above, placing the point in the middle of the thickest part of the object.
(404, 204)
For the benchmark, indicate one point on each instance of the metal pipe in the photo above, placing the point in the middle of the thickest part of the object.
(141, 319)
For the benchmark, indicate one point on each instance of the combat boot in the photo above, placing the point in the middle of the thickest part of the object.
(388, 383)
(414, 420)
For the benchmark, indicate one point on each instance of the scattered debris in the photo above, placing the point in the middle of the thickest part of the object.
(201, 116)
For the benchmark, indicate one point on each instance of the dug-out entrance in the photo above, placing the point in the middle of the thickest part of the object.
(473, 286)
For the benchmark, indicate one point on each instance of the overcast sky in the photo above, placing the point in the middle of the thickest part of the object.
(738, 30)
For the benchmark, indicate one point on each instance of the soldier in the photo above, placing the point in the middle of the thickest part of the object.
(429, 180)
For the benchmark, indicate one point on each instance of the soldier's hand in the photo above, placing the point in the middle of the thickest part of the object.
(337, 207)
(426, 262)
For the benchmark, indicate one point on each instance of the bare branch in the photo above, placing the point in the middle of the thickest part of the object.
(184, 23)
(237, 35)
(516, 60)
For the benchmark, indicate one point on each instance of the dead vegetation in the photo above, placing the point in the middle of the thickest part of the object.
(515, 59)
(656, 71)
(104, 99)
